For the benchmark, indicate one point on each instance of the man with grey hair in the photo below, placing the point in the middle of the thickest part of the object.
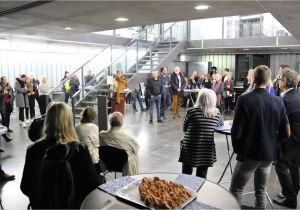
(119, 138)
(249, 84)
(259, 124)
(155, 89)
(287, 167)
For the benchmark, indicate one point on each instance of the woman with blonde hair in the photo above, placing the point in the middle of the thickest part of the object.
(58, 144)
(44, 99)
(198, 147)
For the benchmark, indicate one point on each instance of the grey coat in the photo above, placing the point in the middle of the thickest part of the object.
(21, 96)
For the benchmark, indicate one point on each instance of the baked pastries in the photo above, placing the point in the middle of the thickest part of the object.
(163, 194)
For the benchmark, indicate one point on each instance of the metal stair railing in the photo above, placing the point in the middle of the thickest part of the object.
(60, 85)
(110, 67)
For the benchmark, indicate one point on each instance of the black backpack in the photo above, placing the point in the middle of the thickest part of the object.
(55, 183)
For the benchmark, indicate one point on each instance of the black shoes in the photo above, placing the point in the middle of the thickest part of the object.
(285, 202)
(1, 149)
(6, 177)
(143, 110)
(7, 138)
(9, 130)
(160, 121)
(150, 121)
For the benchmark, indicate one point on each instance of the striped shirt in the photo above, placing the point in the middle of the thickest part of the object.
(198, 146)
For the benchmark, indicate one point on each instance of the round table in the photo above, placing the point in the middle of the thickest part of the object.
(210, 194)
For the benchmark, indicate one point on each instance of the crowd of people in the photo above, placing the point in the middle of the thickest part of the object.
(265, 131)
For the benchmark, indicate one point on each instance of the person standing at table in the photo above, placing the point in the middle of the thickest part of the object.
(155, 89)
(198, 148)
(287, 167)
(259, 124)
(119, 85)
(177, 84)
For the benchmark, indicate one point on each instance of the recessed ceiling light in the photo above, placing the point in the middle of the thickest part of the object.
(284, 48)
(202, 7)
(121, 19)
(246, 49)
(68, 28)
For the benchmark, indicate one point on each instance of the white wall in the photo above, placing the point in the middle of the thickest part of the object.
(42, 58)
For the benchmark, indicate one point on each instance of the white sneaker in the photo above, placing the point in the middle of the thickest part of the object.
(24, 125)
(20, 122)
(27, 121)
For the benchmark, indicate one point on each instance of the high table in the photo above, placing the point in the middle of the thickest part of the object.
(210, 194)
(190, 91)
(225, 130)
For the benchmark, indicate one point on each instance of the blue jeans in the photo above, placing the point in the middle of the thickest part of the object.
(155, 100)
(136, 96)
(241, 175)
(165, 102)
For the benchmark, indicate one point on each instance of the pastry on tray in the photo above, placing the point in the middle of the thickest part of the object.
(162, 194)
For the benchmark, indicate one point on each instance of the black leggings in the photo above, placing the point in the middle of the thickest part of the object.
(30, 110)
(5, 115)
(21, 113)
(201, 170)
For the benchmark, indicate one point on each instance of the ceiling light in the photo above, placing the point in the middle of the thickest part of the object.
(284, 48)
(121, 19)
(202, 7)
(68, 28)
(246, 49)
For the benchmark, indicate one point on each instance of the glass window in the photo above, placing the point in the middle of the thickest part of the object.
(210, 28)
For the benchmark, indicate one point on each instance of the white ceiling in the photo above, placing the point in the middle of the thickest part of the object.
(50, 19)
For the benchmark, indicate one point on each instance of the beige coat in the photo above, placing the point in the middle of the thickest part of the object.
(88, 134)
(119, 138)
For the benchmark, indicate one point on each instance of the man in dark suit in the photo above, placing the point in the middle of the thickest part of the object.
(287, 167)
(260, 122)
(177, 84)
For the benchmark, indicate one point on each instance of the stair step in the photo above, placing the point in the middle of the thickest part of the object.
(161, 49)
(89, 102)
(167, 45)
(154, 57)
(161, 52)
(168, 42)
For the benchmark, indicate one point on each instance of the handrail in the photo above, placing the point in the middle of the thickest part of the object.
(132, 42)
(90, 82)
(78, 69)
(122, 54)
(165, 31)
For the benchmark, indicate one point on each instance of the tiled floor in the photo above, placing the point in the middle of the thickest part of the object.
(159, 152)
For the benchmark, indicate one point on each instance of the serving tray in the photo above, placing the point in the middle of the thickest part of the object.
(130, 194)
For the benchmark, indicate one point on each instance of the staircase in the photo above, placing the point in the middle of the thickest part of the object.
(150, 62)
(137, 62)
(139, 72)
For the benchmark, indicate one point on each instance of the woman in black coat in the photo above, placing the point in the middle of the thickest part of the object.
(60, 132)
(198, 146)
